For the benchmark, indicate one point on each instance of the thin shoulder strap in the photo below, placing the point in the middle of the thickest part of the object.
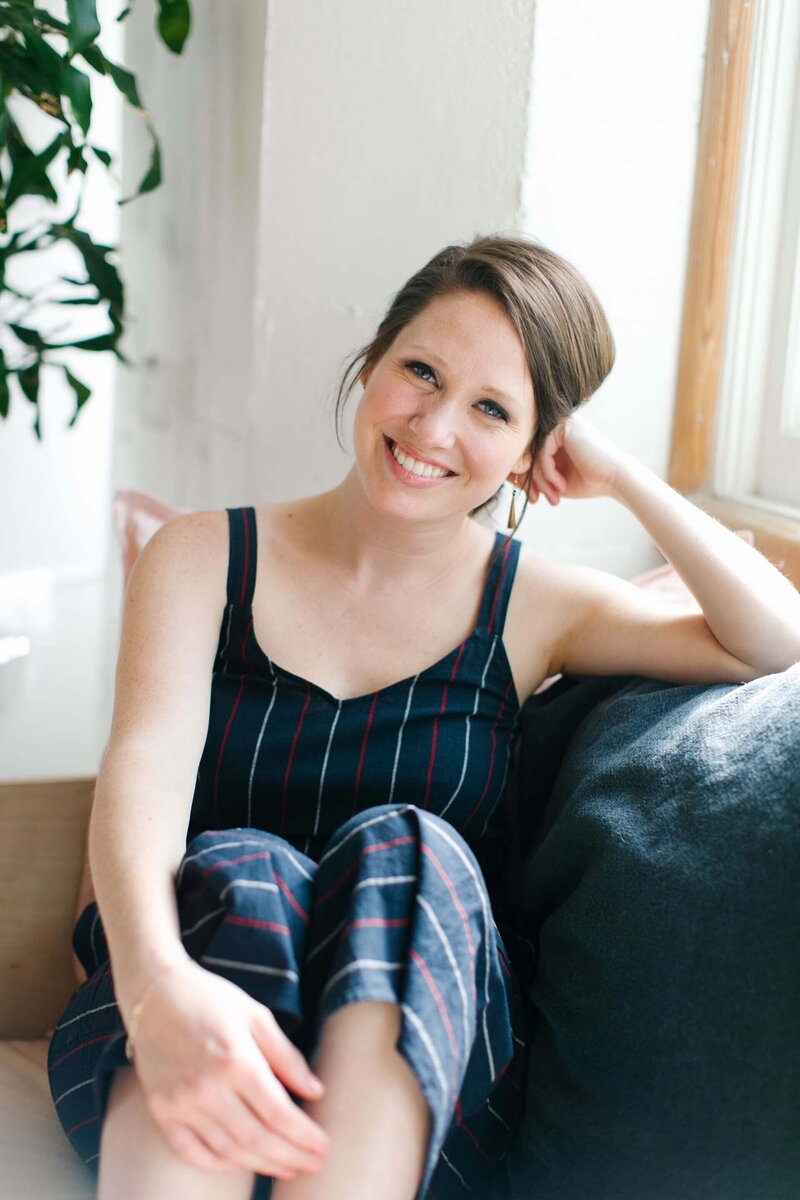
(241, 555)
(499, 582)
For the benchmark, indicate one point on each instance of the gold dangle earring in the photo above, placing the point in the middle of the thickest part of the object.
(512, 516)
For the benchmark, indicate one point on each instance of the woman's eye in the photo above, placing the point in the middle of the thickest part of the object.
(502, 415)
(499, 413)
(424, 366)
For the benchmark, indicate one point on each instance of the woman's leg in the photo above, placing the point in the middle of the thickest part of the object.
(373, 1110)
(138, 1163)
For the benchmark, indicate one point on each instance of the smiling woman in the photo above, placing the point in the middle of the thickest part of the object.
(552, 327)
(315, 711)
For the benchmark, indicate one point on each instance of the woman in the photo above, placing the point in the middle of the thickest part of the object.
(321, 851)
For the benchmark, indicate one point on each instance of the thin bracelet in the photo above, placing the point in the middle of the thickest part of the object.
(136, 1011)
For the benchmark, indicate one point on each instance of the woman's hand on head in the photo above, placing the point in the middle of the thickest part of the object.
(576, 462)
(212, 1062)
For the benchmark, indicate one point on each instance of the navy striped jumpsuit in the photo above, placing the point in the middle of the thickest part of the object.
(329, 859)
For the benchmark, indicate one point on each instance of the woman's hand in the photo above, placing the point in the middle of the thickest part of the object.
(209, 1059)
(576, 462)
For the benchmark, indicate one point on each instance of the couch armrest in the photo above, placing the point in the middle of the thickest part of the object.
(43, 827)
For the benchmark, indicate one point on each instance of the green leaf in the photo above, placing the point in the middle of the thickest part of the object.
(76, 87)
(5, 398)
(103, 155)
(80, 300)
(125, 83)
(152, 176)
(29, 337)
(82, 394)
(21, 69)
(100, 271)
(29, 176)
(76, 160)
(29, 381)
(84, 25)
(174, 23)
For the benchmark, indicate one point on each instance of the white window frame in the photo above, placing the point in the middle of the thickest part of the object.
(756, 459)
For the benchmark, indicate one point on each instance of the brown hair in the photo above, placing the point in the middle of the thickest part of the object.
(561, 324)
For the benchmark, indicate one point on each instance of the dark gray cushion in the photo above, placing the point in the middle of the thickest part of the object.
(661, 888)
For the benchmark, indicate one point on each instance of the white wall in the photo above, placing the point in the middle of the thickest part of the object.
(614, 121)
(385, 132)
(315, 156)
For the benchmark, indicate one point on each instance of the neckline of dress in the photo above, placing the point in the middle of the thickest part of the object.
(409, 679)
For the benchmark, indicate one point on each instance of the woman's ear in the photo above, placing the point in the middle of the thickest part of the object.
(363, 376)
(521, 467)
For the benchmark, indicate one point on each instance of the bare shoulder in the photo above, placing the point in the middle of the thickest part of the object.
(542, 609)
(191, 550)
(173, 607)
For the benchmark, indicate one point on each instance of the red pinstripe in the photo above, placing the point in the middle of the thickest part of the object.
(440, 1004)
(378, 922)
(254, 923)
(234, 862)
(222, 750)
(453, 893)
(509, 686)
(298, 908)
(81, 1124)
(75, 1049)
(245, 572)
(434, 735)
(398, 841)
(498, 585)
(363, 751)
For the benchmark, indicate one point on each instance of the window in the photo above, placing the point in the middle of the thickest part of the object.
(736, 435)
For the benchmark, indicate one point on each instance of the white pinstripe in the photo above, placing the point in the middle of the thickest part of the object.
(187, 858)
(422, 1033)
(92, 931)
(390, 816)
(426, 819)
(386, 881)
(255, 968)
(400, 734)
(455, 1169)
(453, 963)
(495, 1113)
(80, 1017)
(215, 912)
(69, 1091)
(223, 654)
(367, 964)
(323, 774)
(465, 759)
(262, 885)
(258, 745)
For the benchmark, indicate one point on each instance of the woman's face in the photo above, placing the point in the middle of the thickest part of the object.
(453, 389)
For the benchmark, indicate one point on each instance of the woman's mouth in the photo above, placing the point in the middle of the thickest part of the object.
(432, 476)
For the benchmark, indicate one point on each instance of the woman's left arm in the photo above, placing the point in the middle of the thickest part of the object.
(752, 610)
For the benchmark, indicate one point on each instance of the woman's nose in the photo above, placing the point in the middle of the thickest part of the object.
(434, 424)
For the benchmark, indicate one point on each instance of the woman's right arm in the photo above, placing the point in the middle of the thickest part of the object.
(208, 1055)
(174, 601)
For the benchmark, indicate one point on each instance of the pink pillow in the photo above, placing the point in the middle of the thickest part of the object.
(137, 516)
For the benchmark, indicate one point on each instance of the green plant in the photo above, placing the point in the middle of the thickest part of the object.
(42, 61)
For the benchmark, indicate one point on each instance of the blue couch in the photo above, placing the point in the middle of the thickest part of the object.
(657, 846)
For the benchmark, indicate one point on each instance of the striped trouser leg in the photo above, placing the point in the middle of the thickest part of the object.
(396, 909)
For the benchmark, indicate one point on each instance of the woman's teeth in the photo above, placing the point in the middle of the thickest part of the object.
(416, 468)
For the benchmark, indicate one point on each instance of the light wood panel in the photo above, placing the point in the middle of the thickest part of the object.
(717, 174)
(43, 826)
(711, 239)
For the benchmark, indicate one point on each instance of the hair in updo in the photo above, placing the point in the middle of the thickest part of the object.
(567, 340)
